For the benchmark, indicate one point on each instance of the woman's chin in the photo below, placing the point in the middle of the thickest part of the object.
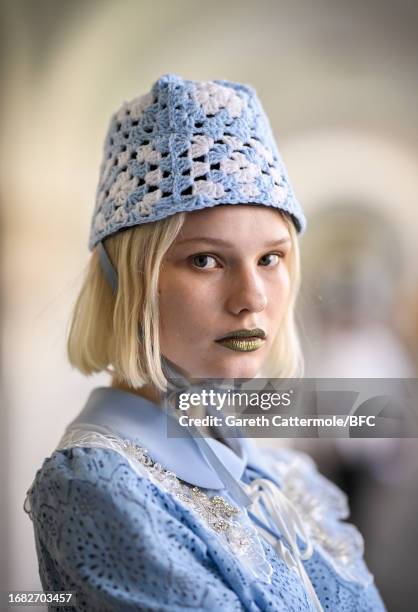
(232, 368)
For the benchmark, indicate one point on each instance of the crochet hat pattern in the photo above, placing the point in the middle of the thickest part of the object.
(184, 146)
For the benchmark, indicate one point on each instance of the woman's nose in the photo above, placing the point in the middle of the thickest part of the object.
(246, 292)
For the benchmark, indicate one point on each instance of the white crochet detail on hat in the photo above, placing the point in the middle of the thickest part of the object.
(135, 108)
(232, 141)
(154, 177)
(201, 145)
(249, 190)
(262, 150)
(213, 97)
(145, 205)
(214, 190)
(238, 165)
(99, 223)
(121, 215)
(280, 193)
(123, 187)
(106, 169)
(199, 169)
(123, 158)
(146, 153)
(121, 179)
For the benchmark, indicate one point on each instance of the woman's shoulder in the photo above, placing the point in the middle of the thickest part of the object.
(324, 508)
(113, 534)
(103, 475)
(301, 481)
(91, 463)
(300, 477)
(337, 566)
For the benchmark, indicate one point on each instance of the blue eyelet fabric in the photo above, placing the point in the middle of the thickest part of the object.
(122, 543)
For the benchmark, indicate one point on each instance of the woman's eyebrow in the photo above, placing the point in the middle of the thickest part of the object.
(225, 243)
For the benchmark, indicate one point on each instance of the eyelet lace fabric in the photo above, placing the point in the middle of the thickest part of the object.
(128, 535)
(230, 523)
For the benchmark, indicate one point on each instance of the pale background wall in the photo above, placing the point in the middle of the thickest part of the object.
(339, 81)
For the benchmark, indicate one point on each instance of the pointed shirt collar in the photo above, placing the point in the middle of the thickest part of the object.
(133, 417)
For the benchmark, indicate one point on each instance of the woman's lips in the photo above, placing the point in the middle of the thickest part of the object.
(244, 345)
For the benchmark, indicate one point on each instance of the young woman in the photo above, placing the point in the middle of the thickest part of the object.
(193, 277)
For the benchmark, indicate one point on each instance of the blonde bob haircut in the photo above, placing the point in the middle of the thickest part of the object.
(120, 334)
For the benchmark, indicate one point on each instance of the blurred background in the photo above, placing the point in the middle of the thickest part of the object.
(339, 81)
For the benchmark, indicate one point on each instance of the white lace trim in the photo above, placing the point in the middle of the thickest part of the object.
(322, 505)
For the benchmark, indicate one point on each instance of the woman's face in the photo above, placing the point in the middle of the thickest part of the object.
(226, 273)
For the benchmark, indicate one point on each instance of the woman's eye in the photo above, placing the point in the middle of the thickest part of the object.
(204, 261)
(270, 259)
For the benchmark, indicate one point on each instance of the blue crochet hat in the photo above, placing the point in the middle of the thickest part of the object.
(185, 146)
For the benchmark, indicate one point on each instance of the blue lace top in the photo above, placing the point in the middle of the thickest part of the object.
(126, 532)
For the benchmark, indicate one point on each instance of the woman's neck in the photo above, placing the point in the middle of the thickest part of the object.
(149, 392)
